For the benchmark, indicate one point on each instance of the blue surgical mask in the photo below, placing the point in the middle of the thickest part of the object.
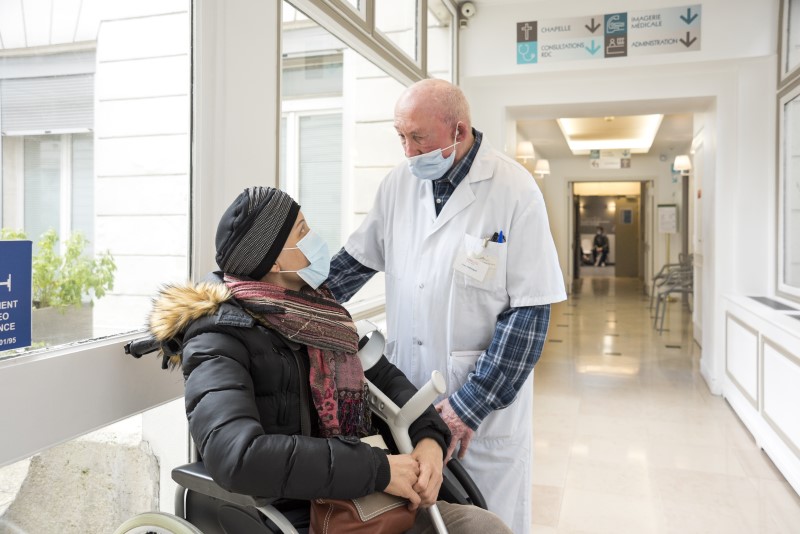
(432, 165)
(315, 249)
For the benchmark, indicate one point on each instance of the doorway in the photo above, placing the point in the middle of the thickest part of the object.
(608, 232)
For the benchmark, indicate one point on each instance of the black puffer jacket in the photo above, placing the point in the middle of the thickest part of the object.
(249, 409)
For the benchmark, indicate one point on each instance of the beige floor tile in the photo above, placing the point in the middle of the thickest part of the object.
(694, 518)
(705, 459)
(604, 513)
(610, 450)
(627, 436)
(546, 505)
(619, 478)
(757, 464)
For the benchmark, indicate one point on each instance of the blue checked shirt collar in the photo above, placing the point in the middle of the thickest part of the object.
(443, 187)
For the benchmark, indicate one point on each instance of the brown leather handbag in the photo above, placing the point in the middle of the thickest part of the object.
(376, 513)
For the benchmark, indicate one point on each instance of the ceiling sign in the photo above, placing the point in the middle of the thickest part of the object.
(625, 34)
(610, 159)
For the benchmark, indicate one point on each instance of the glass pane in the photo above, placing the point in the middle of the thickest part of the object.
(95, 159)
(397, 20)
(357, 6)
(791, 195)
(83, 188)
(441, 24)
(793, 35)
(336, 147)
(320, 172)
(42, 176)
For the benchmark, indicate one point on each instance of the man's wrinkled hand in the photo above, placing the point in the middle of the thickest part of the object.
(429, 455)
(462, 434)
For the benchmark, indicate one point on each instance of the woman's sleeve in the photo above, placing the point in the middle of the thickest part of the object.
(225, 424)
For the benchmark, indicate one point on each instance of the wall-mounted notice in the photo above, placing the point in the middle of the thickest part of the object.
(667, 219)
(15, 294)
(632, 33)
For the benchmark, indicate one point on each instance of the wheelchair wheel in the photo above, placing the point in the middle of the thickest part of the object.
(157, 523)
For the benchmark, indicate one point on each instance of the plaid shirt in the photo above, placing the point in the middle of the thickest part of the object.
(519, 334)
(443, 187)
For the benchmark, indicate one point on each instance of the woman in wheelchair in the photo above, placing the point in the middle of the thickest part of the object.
(275, 393)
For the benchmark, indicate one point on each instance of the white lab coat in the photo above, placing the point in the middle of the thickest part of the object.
(439, 318)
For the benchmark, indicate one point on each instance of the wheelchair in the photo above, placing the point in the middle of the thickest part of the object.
(203, 507)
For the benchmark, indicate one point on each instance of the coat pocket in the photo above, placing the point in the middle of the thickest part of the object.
(481, 264)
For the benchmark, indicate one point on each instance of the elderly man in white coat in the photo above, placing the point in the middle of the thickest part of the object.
(461, 232)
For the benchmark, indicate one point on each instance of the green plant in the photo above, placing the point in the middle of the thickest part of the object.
(66, 280)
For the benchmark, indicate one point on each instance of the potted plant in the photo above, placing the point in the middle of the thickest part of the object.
(65, 285)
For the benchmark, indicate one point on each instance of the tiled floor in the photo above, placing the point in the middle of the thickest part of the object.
(628, 439)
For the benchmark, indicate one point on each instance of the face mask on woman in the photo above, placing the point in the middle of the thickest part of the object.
(315, 249)
(432, 165)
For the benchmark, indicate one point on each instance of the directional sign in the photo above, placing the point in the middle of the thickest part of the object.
(15, 294)
(660, 31)
(610, 35)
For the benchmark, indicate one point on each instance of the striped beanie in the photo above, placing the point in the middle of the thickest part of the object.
(253, 230)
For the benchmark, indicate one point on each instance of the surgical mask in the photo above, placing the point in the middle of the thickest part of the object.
(315, 249)
(432, 165)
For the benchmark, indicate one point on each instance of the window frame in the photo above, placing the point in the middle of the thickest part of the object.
(787, 95)
(363, 37)
(786, 75)
(788, 89)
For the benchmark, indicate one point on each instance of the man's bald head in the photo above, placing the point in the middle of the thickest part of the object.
(436, 98)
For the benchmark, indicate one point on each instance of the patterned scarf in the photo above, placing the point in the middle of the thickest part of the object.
(314, 319)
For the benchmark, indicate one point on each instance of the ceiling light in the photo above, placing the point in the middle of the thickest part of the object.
(634, 133)
(525, 151)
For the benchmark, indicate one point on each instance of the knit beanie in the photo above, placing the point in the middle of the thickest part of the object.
(253, 230)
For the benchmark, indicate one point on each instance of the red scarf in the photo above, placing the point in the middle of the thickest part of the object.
(314, 319)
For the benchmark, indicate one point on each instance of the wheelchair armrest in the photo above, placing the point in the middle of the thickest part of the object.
(195, 477)
(458, 486)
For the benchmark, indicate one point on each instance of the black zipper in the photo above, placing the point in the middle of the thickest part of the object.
(305, 418)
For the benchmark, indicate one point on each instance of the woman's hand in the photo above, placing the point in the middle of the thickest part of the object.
(404, 470)
(429, 455)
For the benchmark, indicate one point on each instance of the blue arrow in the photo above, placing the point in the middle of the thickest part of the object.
(689, 18)
(594, 48)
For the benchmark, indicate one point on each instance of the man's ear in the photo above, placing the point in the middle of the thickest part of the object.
(275, 268)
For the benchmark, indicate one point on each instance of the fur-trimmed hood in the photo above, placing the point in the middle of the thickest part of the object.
(177, 306)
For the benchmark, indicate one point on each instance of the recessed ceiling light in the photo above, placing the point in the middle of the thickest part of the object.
(634, 133)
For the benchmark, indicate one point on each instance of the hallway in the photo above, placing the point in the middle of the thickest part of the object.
(628, 439)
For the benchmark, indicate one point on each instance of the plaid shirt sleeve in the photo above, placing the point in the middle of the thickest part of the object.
(503, 368)
(347, 276)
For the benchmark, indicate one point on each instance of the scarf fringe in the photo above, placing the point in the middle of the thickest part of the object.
(355, 417)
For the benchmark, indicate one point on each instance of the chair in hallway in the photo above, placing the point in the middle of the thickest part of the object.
(684, 262)
(678, 281)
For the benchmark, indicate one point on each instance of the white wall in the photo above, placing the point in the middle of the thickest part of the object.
(736, 75)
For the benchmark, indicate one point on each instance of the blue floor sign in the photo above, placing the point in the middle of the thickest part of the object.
(15, 294)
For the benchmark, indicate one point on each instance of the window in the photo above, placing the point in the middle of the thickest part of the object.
(337, 138)
(397, 21)
(788, 246)
(441, 39)
(95, 143)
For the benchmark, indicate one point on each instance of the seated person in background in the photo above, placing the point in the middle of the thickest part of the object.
(275, 392)
(600, 249)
